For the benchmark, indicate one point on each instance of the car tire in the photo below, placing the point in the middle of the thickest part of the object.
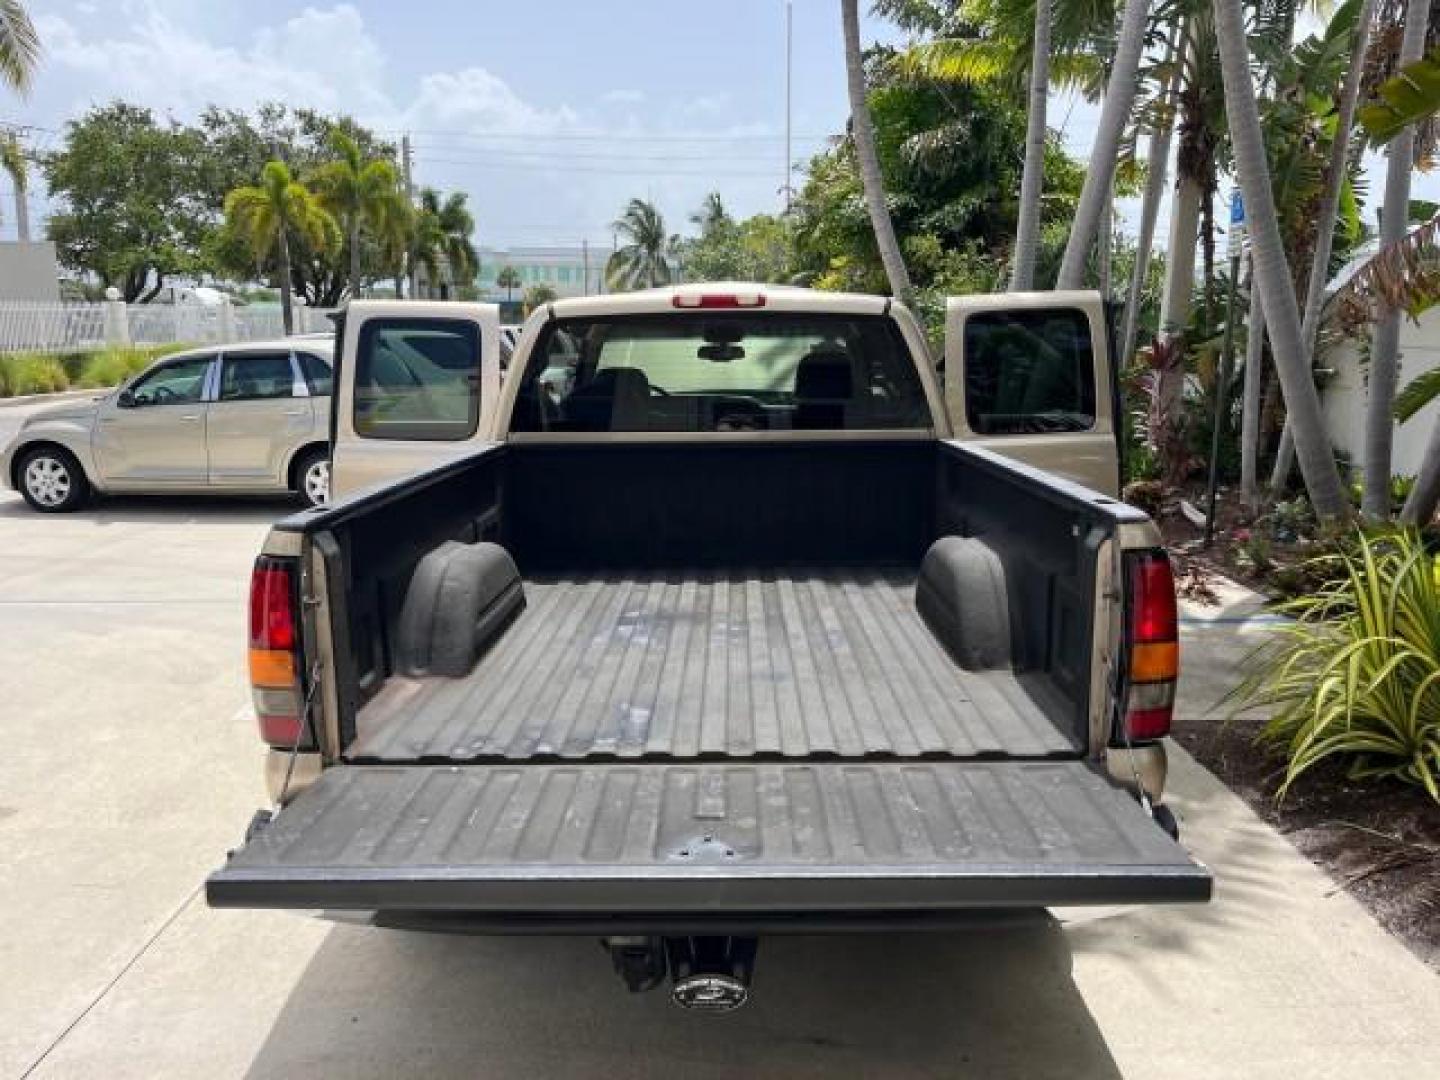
(312, 478)
(51, 480)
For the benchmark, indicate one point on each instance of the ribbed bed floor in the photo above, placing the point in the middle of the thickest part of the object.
(790, 664)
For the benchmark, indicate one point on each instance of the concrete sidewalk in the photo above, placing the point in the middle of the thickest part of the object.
(131, 765)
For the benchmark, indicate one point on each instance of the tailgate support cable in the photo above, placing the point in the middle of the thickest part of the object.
(1118, 724)
(299, 734)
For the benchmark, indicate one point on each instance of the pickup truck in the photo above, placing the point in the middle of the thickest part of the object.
(727, 614)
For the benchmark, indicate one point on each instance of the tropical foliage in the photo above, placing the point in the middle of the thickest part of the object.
(643, 260)
(19, 46)
(1356, 676)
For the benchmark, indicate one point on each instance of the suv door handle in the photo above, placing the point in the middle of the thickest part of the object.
(296, 412)
(189, 419)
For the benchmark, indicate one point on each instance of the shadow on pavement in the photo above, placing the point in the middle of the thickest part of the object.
(988, 1003)
(162, 510)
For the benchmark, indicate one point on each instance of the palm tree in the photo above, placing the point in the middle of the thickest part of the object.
(360, 195)
(1336, 173)
(266, 215)
(1385, 344)
(1157, 163)
(508, 279)
(12, 157)
(712, 214)
(448, 226)
(1096, 195)
(863, 132)
(1271, 270)
(19, 46)
(539, 294)
(1032, 176)
(642, 262)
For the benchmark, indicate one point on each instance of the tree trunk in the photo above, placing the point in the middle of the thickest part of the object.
(1271, 272)
(1338, 168)
(1385, 345)
(286, 299)
(355, 257)
(864, 135)
(1250, 403)
(1180, 270)
(1104, 246)
(22, 215)
(1419, 508)
(1158, 161)
(1027, 233)
(1114, 115)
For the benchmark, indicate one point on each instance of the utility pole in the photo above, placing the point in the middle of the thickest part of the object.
(789, 53)
(585, 263)
(407, 171)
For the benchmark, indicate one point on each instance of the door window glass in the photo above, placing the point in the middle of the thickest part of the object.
(417, 379)
(254, 376)
(1029, 372)
(176, 383)
(317, 374)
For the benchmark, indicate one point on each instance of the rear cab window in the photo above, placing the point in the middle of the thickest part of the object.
(1029, 371)
(417, 379)
(721, 372)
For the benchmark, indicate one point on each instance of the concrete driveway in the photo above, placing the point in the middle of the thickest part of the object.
(131, 764)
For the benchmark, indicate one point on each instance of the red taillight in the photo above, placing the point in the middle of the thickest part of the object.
(274, 652)
(1153, 646)
(272, 605)
(1153, 615)
(719, 300)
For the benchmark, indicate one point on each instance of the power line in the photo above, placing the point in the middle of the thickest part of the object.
(573, 155)
(606, 136)
(560, 166)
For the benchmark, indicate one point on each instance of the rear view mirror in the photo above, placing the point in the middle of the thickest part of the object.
(126, 399)
(720, 354)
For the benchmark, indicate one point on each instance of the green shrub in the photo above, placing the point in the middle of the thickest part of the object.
(32, 373)
(1357, 676)
(114, 366)
(43, 373)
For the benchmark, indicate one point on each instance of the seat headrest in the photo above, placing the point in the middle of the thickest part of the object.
(613, 382)
(825, 375)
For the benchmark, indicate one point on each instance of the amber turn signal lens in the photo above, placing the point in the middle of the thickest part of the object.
(272, 667)
(1155, 661)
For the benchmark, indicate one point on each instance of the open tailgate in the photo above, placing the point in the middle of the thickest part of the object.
(701, 838)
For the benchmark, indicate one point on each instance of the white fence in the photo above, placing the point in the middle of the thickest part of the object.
(45, 327)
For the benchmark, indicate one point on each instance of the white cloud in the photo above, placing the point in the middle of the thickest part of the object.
(169, 56)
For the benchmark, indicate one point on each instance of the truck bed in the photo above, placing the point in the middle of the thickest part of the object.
(682, 665)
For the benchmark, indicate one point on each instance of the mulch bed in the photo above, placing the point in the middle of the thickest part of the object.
(1378, 840)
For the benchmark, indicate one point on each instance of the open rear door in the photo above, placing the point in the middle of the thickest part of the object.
(1029, 375)
(551, 843)
(417, 382)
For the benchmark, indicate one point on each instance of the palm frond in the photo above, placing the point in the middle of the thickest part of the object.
(1417, 393)
(19, 46)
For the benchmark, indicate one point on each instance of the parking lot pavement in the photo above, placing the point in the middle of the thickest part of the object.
(131, 765)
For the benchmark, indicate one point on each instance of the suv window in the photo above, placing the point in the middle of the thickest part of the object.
(177, 382)
(256, 376)
(747, 371)
(1029, 372)
(417, 379)
(317, 373)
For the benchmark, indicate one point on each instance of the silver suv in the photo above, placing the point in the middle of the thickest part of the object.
(242, 418)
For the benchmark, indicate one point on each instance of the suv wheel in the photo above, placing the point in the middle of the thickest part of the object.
(312, 478)
(51, 480)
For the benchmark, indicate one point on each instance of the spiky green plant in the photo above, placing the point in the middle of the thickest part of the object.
(1356, 676)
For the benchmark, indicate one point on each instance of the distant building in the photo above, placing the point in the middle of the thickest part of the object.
(28, 271)
(570, 271)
